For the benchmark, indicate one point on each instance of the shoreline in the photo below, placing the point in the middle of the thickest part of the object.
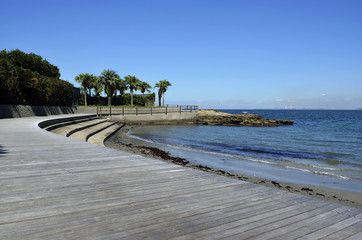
(119, 141)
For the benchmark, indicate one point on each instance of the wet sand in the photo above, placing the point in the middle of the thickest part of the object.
(121, 142)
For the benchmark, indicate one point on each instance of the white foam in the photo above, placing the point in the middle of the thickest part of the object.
(299, 169)
(331, 174)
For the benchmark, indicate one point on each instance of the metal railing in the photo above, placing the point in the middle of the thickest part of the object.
(123, 111)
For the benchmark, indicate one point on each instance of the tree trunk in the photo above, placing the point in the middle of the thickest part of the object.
(109, 100)
(115, 98)
(90, 96)
(159, 97)
(85, 97)
(163, 99)
(131, 97)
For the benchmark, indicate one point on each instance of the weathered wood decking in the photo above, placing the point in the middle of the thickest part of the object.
(52, 187)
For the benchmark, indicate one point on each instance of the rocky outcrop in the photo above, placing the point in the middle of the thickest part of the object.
(213, 117)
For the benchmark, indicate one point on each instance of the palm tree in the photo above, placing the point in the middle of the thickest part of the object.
(109, 79)
(162, 88)
(97, 87)
(120, 86)
(133, 84)
(143, 86)
(85, 79)
(92, 84)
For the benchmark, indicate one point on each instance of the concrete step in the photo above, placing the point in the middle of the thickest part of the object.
(86, 133)
(68, 122)
(73, 119)
(71, 129)
(102, 136)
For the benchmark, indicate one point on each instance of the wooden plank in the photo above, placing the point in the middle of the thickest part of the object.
(253, 221)
(319, 222)
(284, 226)
(303, 231)
(131, 223)
(131, 216)
(341, 224)
(166, 202)
(300, 228)
(356, 236)
(186, 222)
(346, 232)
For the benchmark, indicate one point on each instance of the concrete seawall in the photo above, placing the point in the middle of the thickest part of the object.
(20, 111)
(156, 118)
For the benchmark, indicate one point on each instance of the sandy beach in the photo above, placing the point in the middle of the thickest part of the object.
(122, 142)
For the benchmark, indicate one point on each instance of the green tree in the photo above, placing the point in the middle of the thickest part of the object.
(30, 79)
(62, 92)
(120, 86)
(133, 84)
(34, 63)
(162, 88)
(97, 86)
(143, 86)
(109, 79)
(87, 82)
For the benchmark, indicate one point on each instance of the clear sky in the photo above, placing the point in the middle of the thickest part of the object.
(217, 54)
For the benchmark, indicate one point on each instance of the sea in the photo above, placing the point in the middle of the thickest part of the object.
(322, 147)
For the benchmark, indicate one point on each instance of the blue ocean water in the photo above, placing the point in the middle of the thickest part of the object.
(323, 147)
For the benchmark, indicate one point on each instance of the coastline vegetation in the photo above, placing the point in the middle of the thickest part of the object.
(112, 84)
(28, 79)
(121, 100)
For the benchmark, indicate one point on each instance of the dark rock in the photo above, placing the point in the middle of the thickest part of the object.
(251, 120)
(307, 189)
(276, 184)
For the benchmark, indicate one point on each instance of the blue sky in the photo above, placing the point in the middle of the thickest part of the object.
(217, 54)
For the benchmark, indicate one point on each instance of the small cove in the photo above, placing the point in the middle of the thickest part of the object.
(322, 148)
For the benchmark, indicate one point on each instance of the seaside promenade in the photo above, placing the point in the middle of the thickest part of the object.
(53, 187)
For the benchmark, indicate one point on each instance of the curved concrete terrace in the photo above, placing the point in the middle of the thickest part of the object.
(53, 187)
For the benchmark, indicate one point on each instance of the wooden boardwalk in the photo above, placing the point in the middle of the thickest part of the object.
(53, 187)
